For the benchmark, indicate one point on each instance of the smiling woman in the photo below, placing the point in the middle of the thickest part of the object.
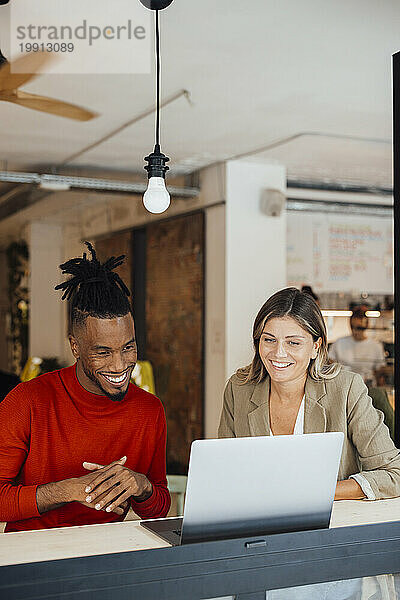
(291, 388)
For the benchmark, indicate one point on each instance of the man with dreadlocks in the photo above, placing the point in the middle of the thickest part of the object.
(81, 444)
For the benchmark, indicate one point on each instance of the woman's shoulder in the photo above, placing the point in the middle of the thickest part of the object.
(242, 391)
(238, 379)
(344, 380)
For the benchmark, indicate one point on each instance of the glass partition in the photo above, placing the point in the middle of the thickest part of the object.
(344, 259)
(396, 181)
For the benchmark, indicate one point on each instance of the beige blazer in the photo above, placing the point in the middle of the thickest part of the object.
(338, 404)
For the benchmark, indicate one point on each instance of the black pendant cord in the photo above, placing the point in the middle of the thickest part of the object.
(156, 166)
(158, 67)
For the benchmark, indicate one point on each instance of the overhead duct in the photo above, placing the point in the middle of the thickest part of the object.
(66, 182)
(348, 208)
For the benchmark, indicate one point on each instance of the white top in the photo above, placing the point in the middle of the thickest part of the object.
(299, 425)
(362, 357)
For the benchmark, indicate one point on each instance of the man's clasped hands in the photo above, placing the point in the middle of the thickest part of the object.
(106, 487)
(110, 487)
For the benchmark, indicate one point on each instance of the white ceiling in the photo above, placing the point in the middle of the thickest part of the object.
(257, 72)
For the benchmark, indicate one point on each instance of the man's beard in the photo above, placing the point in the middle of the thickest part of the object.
(117, 397)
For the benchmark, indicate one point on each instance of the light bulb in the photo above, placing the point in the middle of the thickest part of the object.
(156, 198)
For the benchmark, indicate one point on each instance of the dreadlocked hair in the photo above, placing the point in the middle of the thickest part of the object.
(94, 289)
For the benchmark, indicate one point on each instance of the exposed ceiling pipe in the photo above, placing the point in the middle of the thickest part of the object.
(348, 208)
(30, 188)
(337, 186)
(65, 182)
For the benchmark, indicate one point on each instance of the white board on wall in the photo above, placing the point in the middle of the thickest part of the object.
(340, 253)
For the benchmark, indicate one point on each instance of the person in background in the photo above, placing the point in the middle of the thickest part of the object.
(80, 445)
(8, 381)
(308, 290)
(291, 388)
(358, 353)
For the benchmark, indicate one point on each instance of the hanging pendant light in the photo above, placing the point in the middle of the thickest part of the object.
(156, 198)
(156, 4)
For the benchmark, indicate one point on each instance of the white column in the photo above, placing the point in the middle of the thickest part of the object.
(245, 264)
(46, 325)
(214, 318)
(255, 253)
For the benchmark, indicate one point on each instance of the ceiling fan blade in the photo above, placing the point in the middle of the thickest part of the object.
(22, 70)
(50, 106)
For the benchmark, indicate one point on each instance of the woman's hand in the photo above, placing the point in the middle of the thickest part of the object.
(348, 489)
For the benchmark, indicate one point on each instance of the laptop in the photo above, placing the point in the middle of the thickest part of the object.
(252, 486)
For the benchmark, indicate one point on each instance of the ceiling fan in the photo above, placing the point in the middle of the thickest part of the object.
(24, 70)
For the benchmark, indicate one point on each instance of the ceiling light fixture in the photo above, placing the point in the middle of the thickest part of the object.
(156, 198)
(348, 313)
(52, 185)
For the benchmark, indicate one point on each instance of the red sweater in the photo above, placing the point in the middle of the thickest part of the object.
(51, 424)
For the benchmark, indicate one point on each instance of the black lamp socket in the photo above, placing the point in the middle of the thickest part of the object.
(156, 166)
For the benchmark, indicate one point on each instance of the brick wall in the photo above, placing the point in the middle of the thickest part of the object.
(174, 322)
(174, 328)
(115, 245)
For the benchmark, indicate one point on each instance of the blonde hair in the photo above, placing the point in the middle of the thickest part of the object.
(301, 307)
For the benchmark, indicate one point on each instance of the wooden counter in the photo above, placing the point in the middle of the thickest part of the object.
(91, 540)
(125, 562)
